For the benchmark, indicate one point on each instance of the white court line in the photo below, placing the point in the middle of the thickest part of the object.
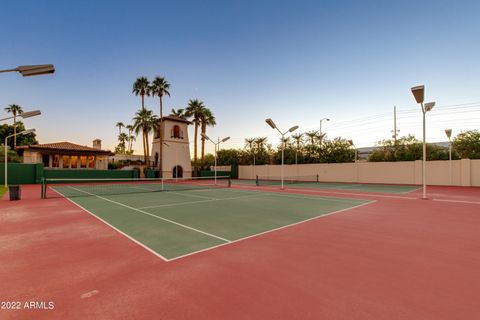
(154, 216)
(419, 188)
(193, 195)
(291, 195)
(457, 201)
(315, 192)
(114, 228)
(201, 201)
(272, 230)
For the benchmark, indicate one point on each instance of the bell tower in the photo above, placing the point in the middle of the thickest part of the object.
(176, 148)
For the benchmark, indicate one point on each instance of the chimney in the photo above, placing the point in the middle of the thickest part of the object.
(97, 144)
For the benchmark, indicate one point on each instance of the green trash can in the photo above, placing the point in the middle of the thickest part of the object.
(14, 192)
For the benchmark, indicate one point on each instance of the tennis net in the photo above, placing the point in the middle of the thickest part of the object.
(54, 188)
(274, 180)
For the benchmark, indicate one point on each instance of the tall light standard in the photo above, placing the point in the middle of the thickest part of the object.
(324, 119)
(274, 126)
(448, 132)
(32, 70)
(216, 146)
(25, 115)
(419, 93)
(5, 155)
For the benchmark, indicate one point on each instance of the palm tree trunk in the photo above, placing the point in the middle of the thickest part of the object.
(143, 101)
(204, 130)
(14, 132)
(144, 149)
(148, 147)
(195, 142)
(160, 164)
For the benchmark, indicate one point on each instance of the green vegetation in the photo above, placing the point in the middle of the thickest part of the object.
(407, 149)
(12, 155)
(15, 110)
(467, 144)
(2, 190)
(123, 163)
(146, 122)
(22, 140)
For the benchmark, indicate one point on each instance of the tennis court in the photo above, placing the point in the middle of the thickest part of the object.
(370, 260)
(312, 182)
(192, 217)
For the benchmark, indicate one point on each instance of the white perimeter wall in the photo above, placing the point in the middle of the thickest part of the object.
(463, 172)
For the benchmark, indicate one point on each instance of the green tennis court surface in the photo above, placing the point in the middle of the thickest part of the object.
(178, 223)
(362, 187)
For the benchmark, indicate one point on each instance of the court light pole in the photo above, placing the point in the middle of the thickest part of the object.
(216, 146)
(419, 93)
(448, 132)
(274, 126)
(324, 119)
(32, 70)
(5, 154)
(25, 115)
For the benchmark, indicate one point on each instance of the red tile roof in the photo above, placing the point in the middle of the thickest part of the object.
(177, 119)
(64, 146)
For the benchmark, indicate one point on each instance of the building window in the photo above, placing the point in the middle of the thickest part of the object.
(91, 162)
(56, 161)
(66, 162)
(177, 133)
(83, 161)
(46, 160)
(74, 161)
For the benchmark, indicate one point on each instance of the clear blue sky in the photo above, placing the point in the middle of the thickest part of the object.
(293, 61)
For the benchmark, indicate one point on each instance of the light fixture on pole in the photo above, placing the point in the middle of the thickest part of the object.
(24, 115)
(324, 119)
(216, 146)
(419, 94)
(32, 70)
(5, 154)
(274, 126)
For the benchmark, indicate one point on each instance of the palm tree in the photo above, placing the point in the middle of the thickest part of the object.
(145, 121)
(122, 139)
(206, 119)
(298, 141)
(14, 109)
(160, 88)
(194, 110)
(120, 125)
(261, 141)
(130, 130)
(250, 144)
(179, 113)
(141, 87)
(312, 135)
(131, 138)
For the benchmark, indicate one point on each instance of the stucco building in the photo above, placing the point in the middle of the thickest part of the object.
(67, 155)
